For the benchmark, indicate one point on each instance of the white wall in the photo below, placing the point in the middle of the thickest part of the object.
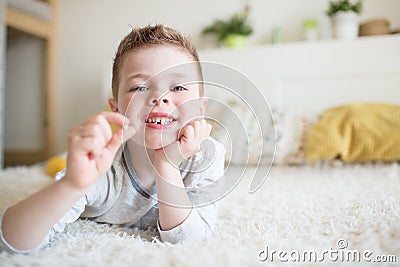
(24, 101)
(90, 30)
(307, 78)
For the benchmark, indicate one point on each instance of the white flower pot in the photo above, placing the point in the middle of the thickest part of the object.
(345, 25)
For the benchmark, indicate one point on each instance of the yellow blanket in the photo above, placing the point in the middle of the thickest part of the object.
(356, 132)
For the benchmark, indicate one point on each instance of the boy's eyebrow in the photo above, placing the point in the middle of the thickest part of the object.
(139, 75)
(146, 77)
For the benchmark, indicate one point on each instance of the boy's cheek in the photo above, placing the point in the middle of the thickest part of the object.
(129, 104)
(191, 109)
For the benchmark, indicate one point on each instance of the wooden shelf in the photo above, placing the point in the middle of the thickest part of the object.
(28, 23)
(300, 43)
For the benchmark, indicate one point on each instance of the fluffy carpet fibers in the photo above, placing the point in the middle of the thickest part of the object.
(320, 215)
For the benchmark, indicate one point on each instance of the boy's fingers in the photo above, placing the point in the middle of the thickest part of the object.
(115, 118)
(119, 137)
(103, 124)
(95, 131)
(187, 132)
(197, 128)
(105, 119)
(99, 126)
(209, 128)
(201, 129)
(91, 146)
(206, 128)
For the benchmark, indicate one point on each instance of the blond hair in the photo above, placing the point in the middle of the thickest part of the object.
(146, 36)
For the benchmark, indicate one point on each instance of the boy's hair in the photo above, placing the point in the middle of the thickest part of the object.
(147, 36)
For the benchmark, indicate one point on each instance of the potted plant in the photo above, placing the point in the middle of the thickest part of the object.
(310, 27)
(344, 15)
(233, 32)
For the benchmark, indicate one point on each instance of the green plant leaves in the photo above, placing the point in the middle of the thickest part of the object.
(237, 24)
(344, 5)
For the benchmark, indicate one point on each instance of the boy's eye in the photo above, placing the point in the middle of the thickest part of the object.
(139, 88)
(179, 88)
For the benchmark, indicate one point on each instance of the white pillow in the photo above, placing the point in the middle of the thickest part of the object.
(288, 131)
(241, 133)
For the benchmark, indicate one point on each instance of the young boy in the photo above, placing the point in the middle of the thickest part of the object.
(159, 169)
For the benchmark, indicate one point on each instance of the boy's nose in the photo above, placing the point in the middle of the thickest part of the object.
(160, 100)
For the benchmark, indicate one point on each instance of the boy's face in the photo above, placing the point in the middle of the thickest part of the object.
(158, 93)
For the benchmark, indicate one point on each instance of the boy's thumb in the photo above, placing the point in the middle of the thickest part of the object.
(120, 136)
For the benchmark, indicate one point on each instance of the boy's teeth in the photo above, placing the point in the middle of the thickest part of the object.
(156, 120)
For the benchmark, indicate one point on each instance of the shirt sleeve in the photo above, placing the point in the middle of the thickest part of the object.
(72, 215)
(204, 184)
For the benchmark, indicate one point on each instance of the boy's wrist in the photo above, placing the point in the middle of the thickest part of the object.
(73, 190)
(163, 158)
(164, 163)
(166, 168)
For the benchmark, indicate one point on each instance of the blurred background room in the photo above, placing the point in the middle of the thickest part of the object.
(56, 55)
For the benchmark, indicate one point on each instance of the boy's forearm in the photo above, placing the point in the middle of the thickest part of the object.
(26, 223)
(174, 204)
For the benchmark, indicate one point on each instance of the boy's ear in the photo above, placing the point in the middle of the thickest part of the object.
(113, 104)
(203, 105)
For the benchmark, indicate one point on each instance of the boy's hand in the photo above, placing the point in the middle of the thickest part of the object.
(188, 143)
(92, 146)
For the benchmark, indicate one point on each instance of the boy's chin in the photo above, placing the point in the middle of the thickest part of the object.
(157, 145)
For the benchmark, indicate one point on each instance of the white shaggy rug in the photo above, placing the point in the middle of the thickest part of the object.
(298, 209)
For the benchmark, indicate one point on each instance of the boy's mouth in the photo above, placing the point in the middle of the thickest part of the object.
(159, 118)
